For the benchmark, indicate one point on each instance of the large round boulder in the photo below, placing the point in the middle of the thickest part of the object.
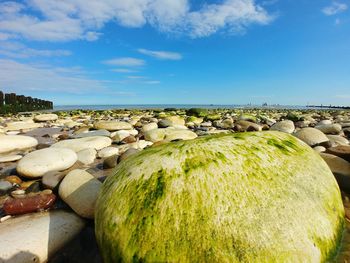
(249, 197)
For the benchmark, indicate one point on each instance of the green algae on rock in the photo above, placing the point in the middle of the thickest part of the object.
(249, 197)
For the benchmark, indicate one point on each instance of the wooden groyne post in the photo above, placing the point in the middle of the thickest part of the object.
(13, 103)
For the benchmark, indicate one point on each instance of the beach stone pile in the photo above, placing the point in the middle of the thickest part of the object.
(53, 165)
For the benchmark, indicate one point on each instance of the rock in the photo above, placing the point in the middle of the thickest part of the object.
(4, 186)
(128, 153)
(22, 125)
(118, 136)
(177, 202)
(342, 151)
(107, 152)
(337, 164)
(19, 193)
(110, 162)
(10, 158)
(149, 126)
(87, 156)
(28, 204)
(197, 112)
(283, 126)
(337, 140)
(42, 146)
(79, 190)
(113, 125)
(320, 149)
(13, 179)
(46, 117)
(249, 126)
(324, 122)
(26, 184)
(10, 143)
(172, 135)
(171, 121)
(155, 135)
(311, 136)
(33, 188)
(92, 133)
(95, 142)
(37, 237)
(37, 163)
(329, 128)
(52, 179)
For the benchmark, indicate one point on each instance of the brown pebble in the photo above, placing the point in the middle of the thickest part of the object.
(110, 162)
(28, 204)
(42, 146)
(63, 136)
(342, 151)
(129, 139)
(25, 185)
(13, 179)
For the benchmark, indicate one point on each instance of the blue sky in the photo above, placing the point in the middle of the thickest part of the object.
(290, 52)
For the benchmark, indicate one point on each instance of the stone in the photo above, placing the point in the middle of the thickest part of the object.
(118, 136)
(28, 204)
(110, 162)
(33, 188)
(4, 186)
(22, 125)
(51, 179)
(13, 179)
(329, 128)
(249, 126)
(320, 149)
(92, 133)
(127, 154)
(336, 164)
(129, 139)
(149, 126)
(172, 135)
(19, 193)
(342, 151)
(155, 135)
(107, 152)
(10, 158)
(165, 203)
(324, 122)
(95, 142)
(113, 125)
(10, 143)
(79, 190)
(37, 163)
(87, 156)
(171, 121)
(283, 126)
(311, 136)
(46, 117)
(337, 140)
(37, 237)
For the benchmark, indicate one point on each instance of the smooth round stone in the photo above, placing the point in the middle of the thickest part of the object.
(284, 126)
(320, 149)
(324, 122)
(113, 125)
(128, 153)
(311, 136)
(79, 190)
(95, 142)
(149, 126)
(46, 117)
(343, 151)
(155, 135)
(338, 140)
(336, 164)
(110, 162)
(22, 125)
(9, 143)
(329, 128)
(107, 152)
(37, 163)
(87, 156)
(5, 186)
(13, 179)
(51, 179)
(118, 136)
(37, 237)
(10, 158)
(249, 126)
(92, 133)
(173, 135)
(171, 121)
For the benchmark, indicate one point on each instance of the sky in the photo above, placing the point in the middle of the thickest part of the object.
(289, 52)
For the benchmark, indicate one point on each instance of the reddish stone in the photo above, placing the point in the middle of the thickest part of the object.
(28, 204)
(129, 139)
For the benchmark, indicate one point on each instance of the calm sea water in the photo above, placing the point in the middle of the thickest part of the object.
(163, 106)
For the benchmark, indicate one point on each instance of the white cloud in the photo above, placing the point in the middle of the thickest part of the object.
(21, 78)
(66, 20)
(123, 70)
(334, 8)
(125, 62)
(164, 55)
(343, 96)
(136, 77)
(18, 50)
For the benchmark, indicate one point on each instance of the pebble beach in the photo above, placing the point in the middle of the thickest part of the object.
(53, 166)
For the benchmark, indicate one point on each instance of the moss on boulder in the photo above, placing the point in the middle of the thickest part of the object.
(249, 197)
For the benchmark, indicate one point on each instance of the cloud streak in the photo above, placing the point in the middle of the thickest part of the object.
(67, 20)
(162, 55)
(334, 8)
(125, 62)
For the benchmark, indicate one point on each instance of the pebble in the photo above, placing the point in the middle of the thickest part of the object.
(92, 133)
(311, 136)
(87, 156)
(22, 125)
(79, 190)
(284, 126)
(36, 237)
(113, 125)
(171, 121)
(110, 162)
(329, 128)
(118, 136)
(37, 163)
(13, 179)
(9, 143)
(342, 151)
(249, 126)
(19, 193)
(107, 152)
(149, 126)
(4, 186)
(10, 158)
(173, 135)
(95, 142)
(28, 204)
(155, 135)
(127, 154)
(336, 164)
(338, 140)
(45, 117)
(51, 180)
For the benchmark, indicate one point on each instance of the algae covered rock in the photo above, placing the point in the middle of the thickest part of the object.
(249, 197)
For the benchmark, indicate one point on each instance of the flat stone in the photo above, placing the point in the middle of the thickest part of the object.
(37, 237)
(249, 126)
(37, 163)
(79, 190)
(113, 125)
(51, 179)
(92, 133)
(171, 121)
(149, 126)
(336, 164)
(95, 142)
(311, 136)
(329, 128)
(107, 152)
(284, 126)
(342, 151)
(110, 162)
(173, 135)
(87, 156)
(10, 143)
(10, 158)
(46, 117)
(22, 125)
(4, 186)
(338, 140)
